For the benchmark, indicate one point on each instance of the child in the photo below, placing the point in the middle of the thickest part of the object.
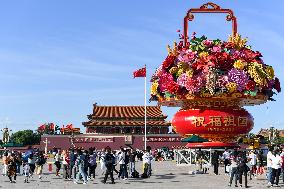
(26, 170)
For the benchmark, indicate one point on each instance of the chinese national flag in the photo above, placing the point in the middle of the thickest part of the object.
(140, 73)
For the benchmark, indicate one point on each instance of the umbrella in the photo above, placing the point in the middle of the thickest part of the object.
(194, 139)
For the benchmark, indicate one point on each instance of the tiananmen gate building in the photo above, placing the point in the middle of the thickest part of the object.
(117, 126)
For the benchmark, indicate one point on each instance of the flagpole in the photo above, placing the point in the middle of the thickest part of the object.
(145, 106)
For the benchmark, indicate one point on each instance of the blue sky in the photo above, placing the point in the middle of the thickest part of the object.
(57, 58)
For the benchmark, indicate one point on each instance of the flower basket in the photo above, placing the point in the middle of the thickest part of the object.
(201, 72)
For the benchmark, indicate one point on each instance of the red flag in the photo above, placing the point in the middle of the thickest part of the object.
(140, 73)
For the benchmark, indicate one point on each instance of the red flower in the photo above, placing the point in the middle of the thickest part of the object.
(277, 85)
(250, 86)
(228, 45)
(250, 55)
(172, 87)
(224, 61)
(169, 61)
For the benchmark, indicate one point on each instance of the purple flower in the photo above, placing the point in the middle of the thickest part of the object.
(239, 77)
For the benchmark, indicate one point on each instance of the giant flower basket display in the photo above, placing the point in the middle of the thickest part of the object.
(211, 80)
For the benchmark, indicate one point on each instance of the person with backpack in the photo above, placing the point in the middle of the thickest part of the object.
(39, 162)
(108, 161)
(92, 164)
(80, 163)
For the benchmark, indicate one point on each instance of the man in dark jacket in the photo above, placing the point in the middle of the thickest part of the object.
(109, 159)
(215, 161)
(242, 169)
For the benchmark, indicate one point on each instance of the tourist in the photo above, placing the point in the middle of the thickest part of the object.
(147, 161)
(5, 159)
(226, 158)
(243, 169)
(66, 164)
(233, 171)
(12, 168)
(115, 161)
(215, 161)
(92, 164)
(108, 162)
(57, 162)
(18, 162)
(26, 171)
(282, 166)
(31, 161)
(102, 161)
(80, 163)
(86, 162)
(269, 164)
(39, 162)
(199, 160)
(132, 155)
(122, 166)
(259, 163)
(72, 168)
(252, 162)
(276, 167)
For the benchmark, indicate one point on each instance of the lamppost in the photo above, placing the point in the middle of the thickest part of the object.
(45, 148)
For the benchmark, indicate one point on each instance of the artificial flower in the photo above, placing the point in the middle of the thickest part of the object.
(239, 64)
(173, 70)
(232, 87)
(154, 88)
(270, 72)
(277, 85)
(169, 61)
(239, 77)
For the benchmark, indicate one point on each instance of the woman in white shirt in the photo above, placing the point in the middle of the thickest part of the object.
(276, 167)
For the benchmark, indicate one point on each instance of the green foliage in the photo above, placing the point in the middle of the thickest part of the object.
(26, 137)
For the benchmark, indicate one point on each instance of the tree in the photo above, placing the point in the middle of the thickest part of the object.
(26, 137)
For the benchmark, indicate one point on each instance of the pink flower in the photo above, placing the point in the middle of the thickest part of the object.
(187, 56)
(216, 49)
(164, 80)
(182, 79)
(208, 42)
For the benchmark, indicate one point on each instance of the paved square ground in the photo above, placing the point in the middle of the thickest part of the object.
(165, 175)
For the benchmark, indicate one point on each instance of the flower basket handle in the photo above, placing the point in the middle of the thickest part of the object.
(206, 9)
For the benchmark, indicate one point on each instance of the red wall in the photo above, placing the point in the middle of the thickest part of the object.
(114, 141)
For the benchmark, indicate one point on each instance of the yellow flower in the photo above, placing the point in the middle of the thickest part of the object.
(173, 70)
(237, 41)
(154, 88)
(239, 64)
(189, 72)
(270, 72)
(180, 71)
(232, 87)
(203, 54)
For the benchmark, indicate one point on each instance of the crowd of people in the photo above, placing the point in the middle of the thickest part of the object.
(82, 165)
(243, 164)
(78, 165)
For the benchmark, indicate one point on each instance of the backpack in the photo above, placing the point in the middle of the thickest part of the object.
(135, 174)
